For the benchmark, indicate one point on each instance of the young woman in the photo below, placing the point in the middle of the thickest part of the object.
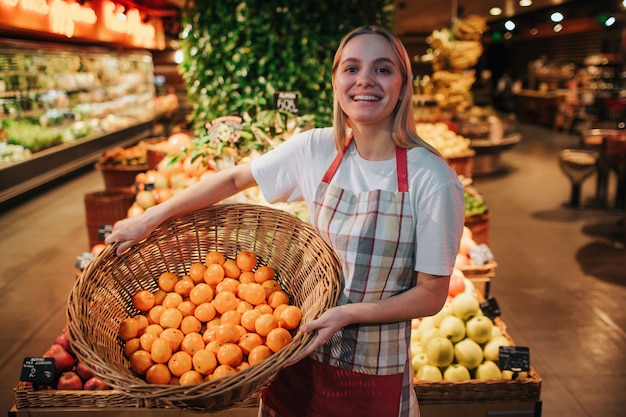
(388, 205)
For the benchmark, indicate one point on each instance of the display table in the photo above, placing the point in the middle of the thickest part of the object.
(487, 159)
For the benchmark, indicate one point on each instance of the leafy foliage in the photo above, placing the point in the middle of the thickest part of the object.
(237, 54)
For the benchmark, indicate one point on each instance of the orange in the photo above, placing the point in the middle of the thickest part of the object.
(222, 371)
(264, 308)
(226, 333)
(158, 374)
(131, 346)
(263, 273)
(277, 298)
(192, 342)
(249, 341)
(243, 306)
(277, 339)
(128, 328)
(209, 334)
(140, 361)
(231, 270)
(231, 316)
(241, 330)
(196, 272)
(270, 286)
(146, 340)
(167, 281)
(246, 276)
(161, 350)
(171, 317)
(254, 294)
(246, 260)
(143, 300)
(214, 274)
(226, 286)
(174, 336)
(204, 312)
(190, 324)
(142, 322)
(159, 295)
(243, 365)
(290, 317)
(179, 363)
(224, 301)
(187, 307)
(154, 315)
(259, 353)
(172, 299)
(201, 293)
(229, 354)
(213, 347)
(204, 361)
(265, 323)
(184, 286)
(154, 328)
(278, 311)
(248, 318)
(190, 377)
(214, 257)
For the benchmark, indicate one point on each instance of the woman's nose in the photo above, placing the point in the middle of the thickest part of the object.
(365, 78)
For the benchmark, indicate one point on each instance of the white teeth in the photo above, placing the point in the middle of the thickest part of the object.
(365, 98)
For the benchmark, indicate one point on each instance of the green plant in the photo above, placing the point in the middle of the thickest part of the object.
(237, 54)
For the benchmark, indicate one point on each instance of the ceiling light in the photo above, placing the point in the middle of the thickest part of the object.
(496, 11)
(527, 3)
(509, 25)
(610, 21)
(558, 27)
(534, 31)
(556, 17)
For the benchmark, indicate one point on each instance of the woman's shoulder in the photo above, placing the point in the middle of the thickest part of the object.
(315, 141)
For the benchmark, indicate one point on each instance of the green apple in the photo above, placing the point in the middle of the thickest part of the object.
(428, 335)
(488, 370)
(492, 348)
(445, 311)
(465, 306)
(478, 328)
(456, 372)
(452, 328)
(495, 332)
(418, 360)
(440, 351)
(468, 353)
(429, 373)
(425, 323)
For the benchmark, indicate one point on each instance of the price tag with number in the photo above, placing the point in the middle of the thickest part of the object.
(490, 308)
(38, 371)
(82, 259)
(104, 231)
(481, 254)
(514, 358)
(286, 101)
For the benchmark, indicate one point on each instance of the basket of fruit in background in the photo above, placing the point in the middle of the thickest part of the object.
(203, 313)
(119, 167)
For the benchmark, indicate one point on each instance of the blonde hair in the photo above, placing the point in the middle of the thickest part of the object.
(404, 133)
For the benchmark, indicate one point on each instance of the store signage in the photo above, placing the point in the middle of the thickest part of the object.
(286, 101)
(100, 20)
(38, 370)
(514, 358)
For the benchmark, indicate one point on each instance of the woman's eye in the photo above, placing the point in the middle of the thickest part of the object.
(351, 69)
(383, 70)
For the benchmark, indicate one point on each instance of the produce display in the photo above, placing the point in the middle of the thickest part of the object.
(123, 157)
(226, 315)
(446, 141)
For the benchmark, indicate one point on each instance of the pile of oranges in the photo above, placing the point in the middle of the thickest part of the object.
(225, 315)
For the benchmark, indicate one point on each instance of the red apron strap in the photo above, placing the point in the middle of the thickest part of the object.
(401, 168)
(332, 169)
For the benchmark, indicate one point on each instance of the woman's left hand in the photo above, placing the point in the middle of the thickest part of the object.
(325, 327)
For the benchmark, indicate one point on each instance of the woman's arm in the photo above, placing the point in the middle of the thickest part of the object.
(425, 299)
(208, 191)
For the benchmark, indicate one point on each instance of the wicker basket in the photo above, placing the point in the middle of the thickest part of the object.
(27, 397)
(306, 267)
(474, 390)
(120, 178)
(487, 270)
(104, 208)
(479, 225)
(462, 164)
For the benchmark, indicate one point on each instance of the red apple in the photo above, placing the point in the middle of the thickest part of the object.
(64, 340)
(69, 380)
(63, 360)
(83, 371)
(95, 384)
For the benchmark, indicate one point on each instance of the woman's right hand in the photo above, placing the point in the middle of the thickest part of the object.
(128, 232)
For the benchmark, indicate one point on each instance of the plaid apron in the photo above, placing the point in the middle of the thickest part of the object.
(364, 370)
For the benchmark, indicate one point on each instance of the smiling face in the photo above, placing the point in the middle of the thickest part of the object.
(368, 81)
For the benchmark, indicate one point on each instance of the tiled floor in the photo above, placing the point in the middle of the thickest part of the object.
(560, 281)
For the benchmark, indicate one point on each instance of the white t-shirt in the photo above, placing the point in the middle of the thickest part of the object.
(294, 170)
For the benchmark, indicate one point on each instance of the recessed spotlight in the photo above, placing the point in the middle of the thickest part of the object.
(556, 17)
(496, 11)
(610, 21)
(558, 27)
(526, 3)
(534, 31)
(509, 25)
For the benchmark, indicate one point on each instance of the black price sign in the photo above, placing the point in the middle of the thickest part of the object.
(104, 231)
(481, 254)
(83, 259)
(514, 358)
(490, 308)
(286, 101)
(38, 371)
